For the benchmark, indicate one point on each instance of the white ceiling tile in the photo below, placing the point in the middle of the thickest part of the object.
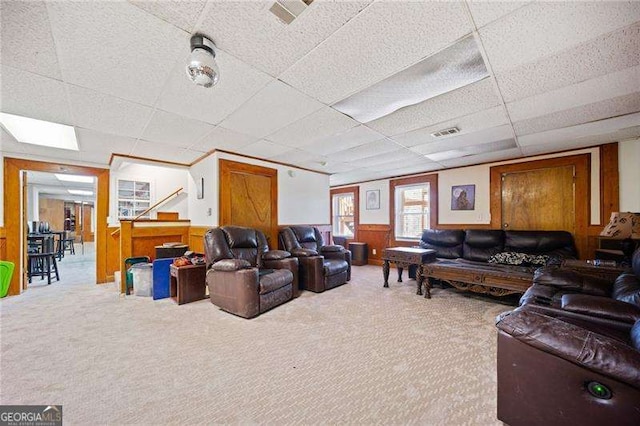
(469, 99)
(272, 108)
(400, 157)
(383, 39)
(404, 169)
(423, 163)
(580, 131)
(26, 41)
(294, 156)
(250, 32)
(95, 157)
(612, 85)
(56, 153)
(175, 130)
(31, 95)
(238, 82)
(263, 149)
(353, 137)
(471, 123)
(541, 29)
(181, 13)
(332, 167)
(609, 53)
(163, 152)
(91, 141)
(485, 12)
(448, 143)
(321, 124)
(9, 144)
(363, 151)
(483, 158)
(621, 105)
(115, 48)
(353, 176)
(108, 114)
(587, 141)
(225, 139)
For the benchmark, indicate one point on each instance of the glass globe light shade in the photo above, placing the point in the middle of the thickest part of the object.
(202, 68)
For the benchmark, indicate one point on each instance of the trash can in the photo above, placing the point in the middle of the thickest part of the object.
(128, 263)
(142, 279)
(6, 272)
(161, 276)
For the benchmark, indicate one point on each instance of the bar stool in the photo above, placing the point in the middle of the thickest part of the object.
(67, 244)
(44, 263)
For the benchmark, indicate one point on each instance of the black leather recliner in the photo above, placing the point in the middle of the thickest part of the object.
(321, 266)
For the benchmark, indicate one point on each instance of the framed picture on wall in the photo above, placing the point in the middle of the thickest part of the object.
(463, 197)
(373, 199)
(200, 189)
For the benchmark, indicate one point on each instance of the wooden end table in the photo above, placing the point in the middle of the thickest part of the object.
(609, 273)
(187, 283)
(404, 257)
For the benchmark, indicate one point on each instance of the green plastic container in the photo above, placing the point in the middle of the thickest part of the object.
(6, 272)
(128, 263)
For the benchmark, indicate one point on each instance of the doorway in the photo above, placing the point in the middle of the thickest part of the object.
(16, 227)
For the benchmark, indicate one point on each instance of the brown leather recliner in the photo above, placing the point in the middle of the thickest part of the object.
(244, 276)
(321, 266)
(552, 372)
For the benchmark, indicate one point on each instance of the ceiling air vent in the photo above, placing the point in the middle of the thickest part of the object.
(288, 10)
(446, 132)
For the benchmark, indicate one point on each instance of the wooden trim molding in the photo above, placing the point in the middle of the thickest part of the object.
(12, 212)
(609, 182)
(356, 207)
(432, 179)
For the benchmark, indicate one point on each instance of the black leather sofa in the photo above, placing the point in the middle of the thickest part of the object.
(494, 254)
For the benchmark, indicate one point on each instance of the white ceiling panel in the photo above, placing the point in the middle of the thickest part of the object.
(163, 152)
(383, 39)
(573, 133)
(609, 53)
(31, 95)
(250, 32)
(404, 169)
(483, 158)
(447, 143)
(295, 156)
(272, 108)
(115, 48)
(91, 141)
(55, 153)
(541, 29)
(238, 82)
(101, 158)
(418, 160)
(621, 105)
(612, 85)
(175, 130)
(353, 137)
(485, 12)
(467, 100)
(400, 157)
(181, 13)
(108, 114)
(363, 151)
(263, 149)
(225, 139)
(353, 176)
(587, 141)
(9, 144)
(471, 123)
(29, 49)
(321, 124)
(329, 167)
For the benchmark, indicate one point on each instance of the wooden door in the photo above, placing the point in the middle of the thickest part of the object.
(540, 199)
(249, 197)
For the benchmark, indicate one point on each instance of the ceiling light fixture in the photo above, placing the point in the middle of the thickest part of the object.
(201, 65)
(74, 178)
(39, 132)
(79, 192)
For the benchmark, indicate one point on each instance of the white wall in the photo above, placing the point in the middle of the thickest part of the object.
(480, 177)
(303, 198)
(629, 166)
(164, 180)
(199, 209)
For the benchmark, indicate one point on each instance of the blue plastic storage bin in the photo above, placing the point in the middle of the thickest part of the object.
(161, 278)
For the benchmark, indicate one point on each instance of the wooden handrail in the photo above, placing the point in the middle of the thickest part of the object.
(116, 232)
(157, 204)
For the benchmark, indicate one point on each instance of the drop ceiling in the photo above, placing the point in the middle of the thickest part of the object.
(559, 75)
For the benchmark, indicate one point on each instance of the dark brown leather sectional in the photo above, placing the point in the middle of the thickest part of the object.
(321, 266)
(244, 277)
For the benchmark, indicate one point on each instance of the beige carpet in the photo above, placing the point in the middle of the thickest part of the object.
(358, 354)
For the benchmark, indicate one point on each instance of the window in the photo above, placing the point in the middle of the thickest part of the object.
(134, 197)
(414, 208)
(343, 215)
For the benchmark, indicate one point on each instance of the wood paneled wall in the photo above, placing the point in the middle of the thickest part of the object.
(196, 238)
(51, 210)
(3, 244)
(377, 238)
(113, 251)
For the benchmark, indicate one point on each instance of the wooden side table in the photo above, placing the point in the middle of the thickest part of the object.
(187, 283)
(359, 253)
(404, 257)
(609, 273)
